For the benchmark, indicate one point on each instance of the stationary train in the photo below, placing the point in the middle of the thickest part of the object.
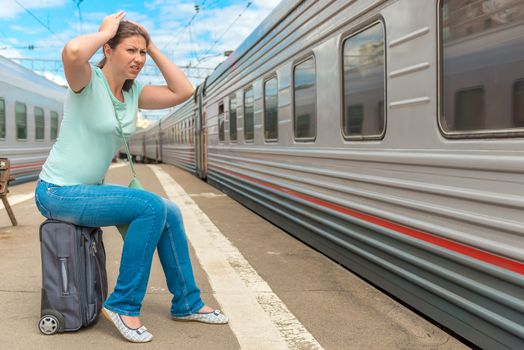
(387, 134)
(31, 109)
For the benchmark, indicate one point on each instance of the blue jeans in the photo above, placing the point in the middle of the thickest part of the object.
(154, 222)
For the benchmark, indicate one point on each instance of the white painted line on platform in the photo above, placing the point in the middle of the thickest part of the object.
(206, 195)
(117, 165)
(258, 318)
(17, 198)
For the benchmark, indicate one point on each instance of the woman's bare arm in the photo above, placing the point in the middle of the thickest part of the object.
(78, 51)
(177, 90)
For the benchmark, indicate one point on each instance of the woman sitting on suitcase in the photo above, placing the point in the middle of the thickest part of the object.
(71, 187)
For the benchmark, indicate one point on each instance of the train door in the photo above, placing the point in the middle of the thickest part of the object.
(204, 145)
(200, 144)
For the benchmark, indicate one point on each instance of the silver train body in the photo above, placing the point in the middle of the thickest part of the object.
(145, 145)
(430, 206)
(27, 137)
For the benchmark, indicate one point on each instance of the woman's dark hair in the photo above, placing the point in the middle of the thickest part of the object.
(125, 30)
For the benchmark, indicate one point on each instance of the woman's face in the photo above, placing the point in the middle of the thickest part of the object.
(129, 56)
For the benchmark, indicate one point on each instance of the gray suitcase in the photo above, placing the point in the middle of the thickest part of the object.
(74, 279)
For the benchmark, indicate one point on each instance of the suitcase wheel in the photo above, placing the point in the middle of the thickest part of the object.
(51, 322)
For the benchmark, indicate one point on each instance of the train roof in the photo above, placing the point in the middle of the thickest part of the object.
(24, 78)
(273, 19)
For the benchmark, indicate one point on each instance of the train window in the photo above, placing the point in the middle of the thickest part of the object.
(518, 103)
(249, 126)
(304, 100)
(271, 110)
(481, 47)
(39, 123)
(2, 118)
(21, 121)
(221, 121)
(356, 113)
(469, 104)
(364, 84)
(232, 118)
(54, 125)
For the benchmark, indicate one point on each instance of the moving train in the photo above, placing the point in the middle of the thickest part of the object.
(389, 135)
(31, 109)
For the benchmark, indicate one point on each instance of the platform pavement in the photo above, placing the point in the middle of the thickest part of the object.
(340, 310)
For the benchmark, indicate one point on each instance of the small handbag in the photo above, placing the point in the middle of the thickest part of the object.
(135, 183)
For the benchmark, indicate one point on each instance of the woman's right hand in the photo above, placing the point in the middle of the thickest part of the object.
(110, 23)
(78, 51)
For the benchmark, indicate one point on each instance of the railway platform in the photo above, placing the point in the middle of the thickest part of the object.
(278, 292)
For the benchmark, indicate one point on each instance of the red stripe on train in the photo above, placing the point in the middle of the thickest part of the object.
(26, 165)
(475, 253)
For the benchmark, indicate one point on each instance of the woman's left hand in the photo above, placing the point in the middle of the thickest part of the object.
(178, 88)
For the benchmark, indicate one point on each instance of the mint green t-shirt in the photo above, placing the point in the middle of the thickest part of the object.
(89, 135)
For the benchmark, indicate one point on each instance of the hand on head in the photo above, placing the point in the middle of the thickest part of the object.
(110, 23)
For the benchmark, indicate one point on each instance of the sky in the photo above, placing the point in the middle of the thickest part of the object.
(40, 28)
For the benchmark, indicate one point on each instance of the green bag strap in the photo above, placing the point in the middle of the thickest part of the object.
(125, 142)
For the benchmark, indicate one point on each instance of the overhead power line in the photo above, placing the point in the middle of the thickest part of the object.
(77, 3)
(37, 19)
(29, 47)
(7, 38)
(151, 70)
(175, 35)
(206, 54)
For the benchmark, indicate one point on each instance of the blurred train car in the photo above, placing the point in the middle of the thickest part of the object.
(31, 109)
(152, 140)
(177, 132)
(390, 136)
(137, 146)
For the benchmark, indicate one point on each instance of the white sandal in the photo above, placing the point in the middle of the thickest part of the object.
(138, 335)
(213, 317)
